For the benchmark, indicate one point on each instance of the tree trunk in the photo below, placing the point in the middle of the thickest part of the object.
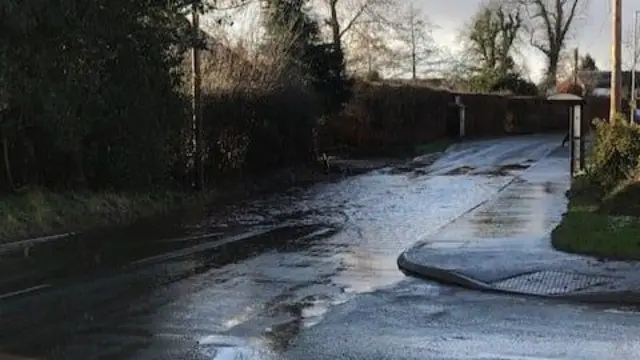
(413, 52)
(79, 179)
(32, 169)
(335, 26)
(369, 59)
(552, 70)
(7, 163)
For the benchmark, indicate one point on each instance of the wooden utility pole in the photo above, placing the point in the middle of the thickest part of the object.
(414, 57)
(576, 65)
(196, 105)
(634, 92)
(615, 106)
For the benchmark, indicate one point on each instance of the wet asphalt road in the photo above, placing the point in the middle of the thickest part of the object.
(306, 274)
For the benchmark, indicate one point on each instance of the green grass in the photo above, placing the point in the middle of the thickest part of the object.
(41, 212)
(38, 212)
(397, 151)
(432, 147)
(603, 225)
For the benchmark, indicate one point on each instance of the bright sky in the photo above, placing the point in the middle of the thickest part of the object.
(591, 34)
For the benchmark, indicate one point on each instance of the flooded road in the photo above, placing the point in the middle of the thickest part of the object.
(268, 278)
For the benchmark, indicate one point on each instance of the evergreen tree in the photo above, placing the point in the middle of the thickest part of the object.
(321, 64)
(588, 63)
(83, 82)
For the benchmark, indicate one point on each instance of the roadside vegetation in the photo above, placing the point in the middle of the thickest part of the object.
(96, 97)
(603, 218)
(95, 107)
(41, 212)
(432, 147)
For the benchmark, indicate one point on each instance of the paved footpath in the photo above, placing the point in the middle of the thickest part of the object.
(504, 246)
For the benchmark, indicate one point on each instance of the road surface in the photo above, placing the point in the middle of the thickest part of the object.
(306, 274)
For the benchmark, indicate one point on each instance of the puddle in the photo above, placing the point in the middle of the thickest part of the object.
(463, 170)
(278, 261)
(514, 167)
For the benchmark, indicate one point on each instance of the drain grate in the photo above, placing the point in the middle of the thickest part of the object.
(550, 282)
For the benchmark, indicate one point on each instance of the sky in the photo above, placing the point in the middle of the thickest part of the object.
(592, 32)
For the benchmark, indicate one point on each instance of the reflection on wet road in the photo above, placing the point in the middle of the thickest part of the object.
(416, 320)
(248, 280)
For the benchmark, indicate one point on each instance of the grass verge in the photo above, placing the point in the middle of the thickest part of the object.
(602, 225)
(40, 212)
(432, 147)
(397, 151)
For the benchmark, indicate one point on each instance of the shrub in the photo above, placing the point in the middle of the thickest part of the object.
(373, 75)
(568, 87)
(616, 152)
(90, 94)
(261, 102)
(514, 84)
(253, 131)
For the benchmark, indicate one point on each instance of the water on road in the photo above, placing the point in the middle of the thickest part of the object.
(308, 273)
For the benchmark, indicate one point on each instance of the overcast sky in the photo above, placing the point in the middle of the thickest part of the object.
(592, 32)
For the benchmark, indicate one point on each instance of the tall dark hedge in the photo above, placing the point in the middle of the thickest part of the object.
(89, 92)
(90, 99)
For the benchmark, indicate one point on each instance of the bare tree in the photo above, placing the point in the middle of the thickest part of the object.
(490, 39)
(400, 44)
(416, 51)
(550, 26)
(343, 15)
(492, 34)
(367, 49)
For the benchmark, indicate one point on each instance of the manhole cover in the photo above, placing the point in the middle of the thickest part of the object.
(550, 282)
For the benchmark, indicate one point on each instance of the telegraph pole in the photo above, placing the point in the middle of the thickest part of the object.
(196, 105)
(413, 24)
(576, 65)
(616, 63)
(634, 100)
